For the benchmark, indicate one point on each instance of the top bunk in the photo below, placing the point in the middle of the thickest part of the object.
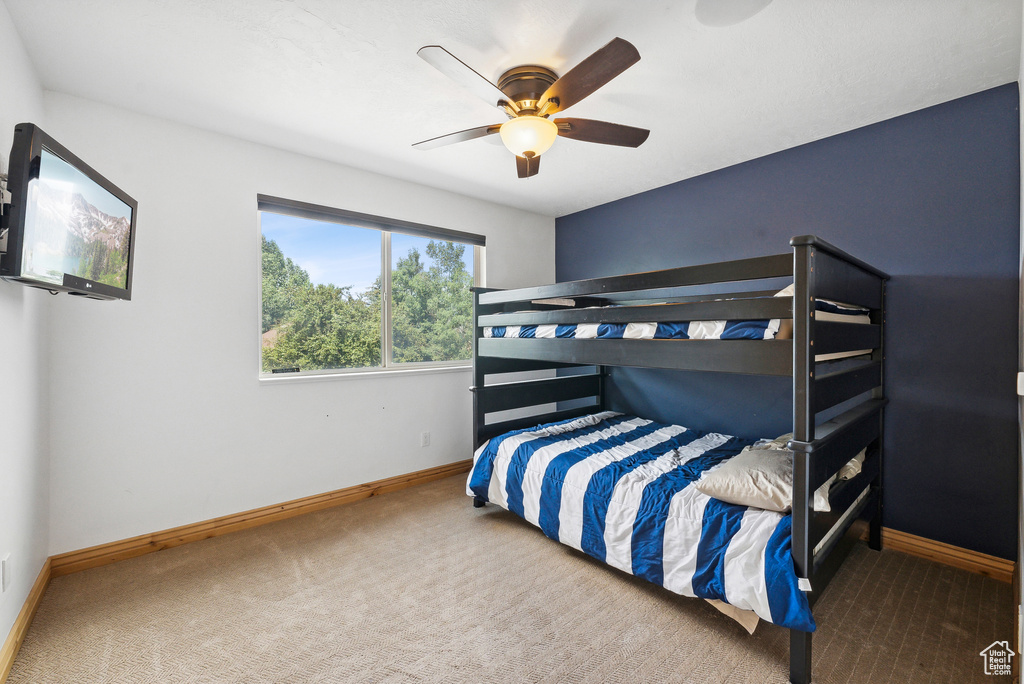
(719, 317)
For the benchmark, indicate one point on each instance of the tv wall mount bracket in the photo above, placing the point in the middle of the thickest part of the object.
(5, 209)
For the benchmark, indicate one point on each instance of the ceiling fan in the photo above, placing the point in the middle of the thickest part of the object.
(529, 94)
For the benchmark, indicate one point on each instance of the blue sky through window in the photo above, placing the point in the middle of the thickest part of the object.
(338, 254)
(328, 252)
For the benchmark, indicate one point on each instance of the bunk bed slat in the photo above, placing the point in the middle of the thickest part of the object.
(511, 395)
(637, 299)
(839, 440)
(830, 559)
(491, 365)
(842, 497)
(495, 429)
(741, 269)
(825, 557)
(479, 307)
(845, 282)
(831, 430)
(832, 337)
(826, 246)
(760, 357)
(735, 309)
(834, 388)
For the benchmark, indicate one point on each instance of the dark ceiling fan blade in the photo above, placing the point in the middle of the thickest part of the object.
(460, 72)
(602, 132)
(589, 75)
(457, 137)
(527, 166)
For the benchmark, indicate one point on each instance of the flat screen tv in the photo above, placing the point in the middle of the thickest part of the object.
(69, 228)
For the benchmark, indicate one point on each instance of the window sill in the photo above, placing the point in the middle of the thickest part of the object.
(369, 373)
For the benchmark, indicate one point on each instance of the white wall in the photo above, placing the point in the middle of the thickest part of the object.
(158, 419)
(24, 481)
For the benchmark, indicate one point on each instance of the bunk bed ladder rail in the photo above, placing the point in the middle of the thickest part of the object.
(820, 541)
(534, 395)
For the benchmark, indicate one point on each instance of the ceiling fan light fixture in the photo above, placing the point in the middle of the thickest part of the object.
(530, 93)
(528, 135)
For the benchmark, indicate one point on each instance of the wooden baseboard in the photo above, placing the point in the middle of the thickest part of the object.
(103, 554)
(1016, 621)
(947, 554)
(12, 645)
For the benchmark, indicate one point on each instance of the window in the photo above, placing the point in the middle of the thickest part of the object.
(342, 291)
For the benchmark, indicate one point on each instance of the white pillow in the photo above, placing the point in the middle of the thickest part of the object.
(777, 443)
(852, 469)
(758, 477)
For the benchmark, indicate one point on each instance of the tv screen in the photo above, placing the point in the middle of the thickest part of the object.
(69, 228)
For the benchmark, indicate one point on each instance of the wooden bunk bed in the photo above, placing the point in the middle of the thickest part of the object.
(837, 405)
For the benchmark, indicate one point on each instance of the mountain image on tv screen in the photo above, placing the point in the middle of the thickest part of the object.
(74, 226)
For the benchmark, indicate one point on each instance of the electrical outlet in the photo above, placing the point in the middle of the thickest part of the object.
(424, 439)
(5, 572)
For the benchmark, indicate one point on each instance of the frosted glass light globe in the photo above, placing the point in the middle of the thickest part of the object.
(528, 135)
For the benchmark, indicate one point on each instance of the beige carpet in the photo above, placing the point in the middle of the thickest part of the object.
(418, 586)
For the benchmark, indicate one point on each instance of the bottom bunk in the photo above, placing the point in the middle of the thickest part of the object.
(662, 502)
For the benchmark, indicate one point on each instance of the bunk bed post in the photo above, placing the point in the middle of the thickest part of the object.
(875, 525)
(799, 657)
(478, 376)
(478, 381)
(803, 431)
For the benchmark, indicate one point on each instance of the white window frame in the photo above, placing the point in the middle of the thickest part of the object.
(385, 227)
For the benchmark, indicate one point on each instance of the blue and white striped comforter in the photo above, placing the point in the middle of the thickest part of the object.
(761, 329)
(686, 330)
(617, 488)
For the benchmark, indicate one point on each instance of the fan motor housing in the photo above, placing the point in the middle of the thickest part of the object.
(525, 84)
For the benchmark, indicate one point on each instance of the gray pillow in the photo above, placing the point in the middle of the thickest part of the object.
(758, 477)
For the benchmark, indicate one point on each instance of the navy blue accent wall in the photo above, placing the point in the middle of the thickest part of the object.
(932, 198)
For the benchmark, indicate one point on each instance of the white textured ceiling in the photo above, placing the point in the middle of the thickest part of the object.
(341, 80)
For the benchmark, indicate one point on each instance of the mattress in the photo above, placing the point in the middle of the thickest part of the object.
(680, 330)
(617, 487)
(761, 329)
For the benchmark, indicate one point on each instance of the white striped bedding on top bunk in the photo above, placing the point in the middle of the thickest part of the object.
(684, 330)
(679, 330)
